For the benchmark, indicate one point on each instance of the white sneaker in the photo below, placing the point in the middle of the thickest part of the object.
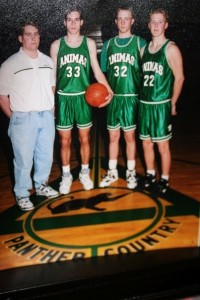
(46, 190)
(131, 179)
(66, 183)
(84, 177)
(24, 203)
(110, 177)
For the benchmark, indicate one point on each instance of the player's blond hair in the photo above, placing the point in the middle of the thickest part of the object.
(159, 11)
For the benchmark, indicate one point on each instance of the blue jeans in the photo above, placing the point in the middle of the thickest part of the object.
(32, 135)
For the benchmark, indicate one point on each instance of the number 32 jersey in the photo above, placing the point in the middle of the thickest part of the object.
(123, 66)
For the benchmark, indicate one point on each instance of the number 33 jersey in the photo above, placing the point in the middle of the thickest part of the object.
(73, 67)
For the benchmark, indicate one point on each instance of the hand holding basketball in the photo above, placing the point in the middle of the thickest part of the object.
(95, 94)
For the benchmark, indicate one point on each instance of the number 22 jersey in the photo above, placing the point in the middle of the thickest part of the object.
(158, 77)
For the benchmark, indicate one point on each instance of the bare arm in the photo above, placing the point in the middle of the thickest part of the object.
(53, 53)
(176, 63)
(100, 77)
(5, 105)
(53, 89)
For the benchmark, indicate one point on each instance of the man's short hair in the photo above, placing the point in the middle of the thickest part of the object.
(159, 11)
(27, 23)
(71, 9)
(125, 7)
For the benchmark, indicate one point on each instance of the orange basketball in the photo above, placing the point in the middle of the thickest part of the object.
(95, 94)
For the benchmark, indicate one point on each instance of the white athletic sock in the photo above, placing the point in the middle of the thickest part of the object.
(166, 177)
(66, 169)
(152, 172)
(85, 166)
(131, 165)
(112, 164)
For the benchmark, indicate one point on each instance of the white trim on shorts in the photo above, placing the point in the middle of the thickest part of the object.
(155, 102)
(70, 94)
(126, 95)
(155, 140)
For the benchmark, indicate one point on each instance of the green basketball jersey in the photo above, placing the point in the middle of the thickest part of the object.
(73, 67)
(158, 77)
(123, 66)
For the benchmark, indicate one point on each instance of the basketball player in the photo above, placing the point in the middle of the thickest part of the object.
(162, 84)
(27, 87)
(120, 59)
(73, 55)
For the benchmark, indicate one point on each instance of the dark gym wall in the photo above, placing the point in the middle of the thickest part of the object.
(49, 14)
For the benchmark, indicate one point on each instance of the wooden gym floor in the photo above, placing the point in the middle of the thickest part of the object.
(74, 244)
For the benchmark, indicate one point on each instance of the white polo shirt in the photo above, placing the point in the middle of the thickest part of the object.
(28, 82)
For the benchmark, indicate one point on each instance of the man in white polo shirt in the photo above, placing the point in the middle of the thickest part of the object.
(27, 97)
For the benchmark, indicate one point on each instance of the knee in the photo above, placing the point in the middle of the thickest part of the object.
(148, 144)
(163, 148)
(65, 143)
(84, 140)
(114, 137)
(130, 138)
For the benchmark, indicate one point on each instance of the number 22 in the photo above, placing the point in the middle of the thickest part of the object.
(149, 80)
